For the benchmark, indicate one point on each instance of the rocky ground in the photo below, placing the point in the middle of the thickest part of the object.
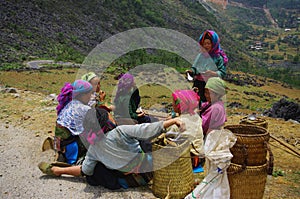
(27, 118)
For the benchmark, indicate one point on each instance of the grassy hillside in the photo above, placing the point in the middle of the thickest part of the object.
(69, 30)
(259, 95)
(277, 55)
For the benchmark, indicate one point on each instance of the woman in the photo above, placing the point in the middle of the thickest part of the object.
(210, 62)
(112, 152)
(185, 104)
(127, 101)
(73, 105)
(98, 95)
(213, 112)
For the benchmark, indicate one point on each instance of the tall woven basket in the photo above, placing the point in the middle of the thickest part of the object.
(251, 146)
(247, 183)
(173, 174)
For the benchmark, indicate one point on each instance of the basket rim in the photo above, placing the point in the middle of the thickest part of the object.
(251, 126)
(250, 167)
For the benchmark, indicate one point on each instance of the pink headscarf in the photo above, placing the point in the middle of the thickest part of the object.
(186, 100)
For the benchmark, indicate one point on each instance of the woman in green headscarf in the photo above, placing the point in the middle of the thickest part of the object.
(213, 111)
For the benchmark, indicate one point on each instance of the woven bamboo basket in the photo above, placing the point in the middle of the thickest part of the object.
(172, 178)
(247, 183)
(251, 146)
(258, 121)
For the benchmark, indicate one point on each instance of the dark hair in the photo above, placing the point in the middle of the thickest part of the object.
(208, 36)
(97, 119)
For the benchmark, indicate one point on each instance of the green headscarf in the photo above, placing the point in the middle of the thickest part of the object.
(216, 84)
(88, 76)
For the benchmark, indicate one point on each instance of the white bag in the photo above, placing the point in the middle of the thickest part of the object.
(218, 156)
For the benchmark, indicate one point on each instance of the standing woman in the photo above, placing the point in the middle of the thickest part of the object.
(210, 62)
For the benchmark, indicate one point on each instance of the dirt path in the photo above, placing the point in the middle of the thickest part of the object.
(21, 178)
(269, 16)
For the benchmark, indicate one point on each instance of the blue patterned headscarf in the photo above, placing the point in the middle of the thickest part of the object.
(80, 87)
(216, 47)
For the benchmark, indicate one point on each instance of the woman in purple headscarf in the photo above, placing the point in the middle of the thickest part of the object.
(210, 62)
(127, 101)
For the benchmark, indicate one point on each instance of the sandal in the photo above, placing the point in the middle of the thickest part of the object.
(48, 144)
(46, 168)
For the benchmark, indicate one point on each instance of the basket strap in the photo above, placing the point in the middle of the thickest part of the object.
(271, 159)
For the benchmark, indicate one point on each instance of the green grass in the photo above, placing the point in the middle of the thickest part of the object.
(51, 81)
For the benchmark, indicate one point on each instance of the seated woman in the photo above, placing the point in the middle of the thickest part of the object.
(71, 111)
(213, 112)
(115, 154)
(127, 101)
(98, 95)
(185, 103)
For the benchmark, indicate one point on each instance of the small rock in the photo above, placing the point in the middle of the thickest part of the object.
(25, 117)
(11, 90)
(17, 95)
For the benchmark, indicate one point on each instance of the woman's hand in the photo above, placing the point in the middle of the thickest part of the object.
(180, 124)
(141, 114)
(102, 95)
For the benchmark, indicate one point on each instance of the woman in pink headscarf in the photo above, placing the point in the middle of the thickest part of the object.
(185, 104)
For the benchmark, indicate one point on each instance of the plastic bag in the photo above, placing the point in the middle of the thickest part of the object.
(218, 156)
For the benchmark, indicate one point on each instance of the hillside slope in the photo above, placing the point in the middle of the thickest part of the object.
(70, 29)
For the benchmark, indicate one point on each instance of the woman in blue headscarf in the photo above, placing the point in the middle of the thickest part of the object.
(210, 62)
(73, 105)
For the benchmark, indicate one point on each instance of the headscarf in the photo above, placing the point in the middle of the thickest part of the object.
(186, 101)
(81, 87)
(216, 84)
(216, 49)
(88, 76)
(126, 82)
(64, 97)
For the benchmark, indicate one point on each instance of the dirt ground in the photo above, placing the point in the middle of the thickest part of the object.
(27, 118)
